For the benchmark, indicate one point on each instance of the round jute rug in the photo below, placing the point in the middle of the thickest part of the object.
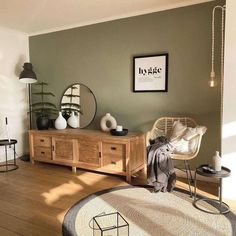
(164, 214)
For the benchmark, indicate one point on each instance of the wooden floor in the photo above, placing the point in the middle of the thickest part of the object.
(35, 198)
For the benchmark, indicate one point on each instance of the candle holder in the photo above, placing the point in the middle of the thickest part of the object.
(119, 133)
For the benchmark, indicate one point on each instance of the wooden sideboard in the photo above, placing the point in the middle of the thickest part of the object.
(89, 149)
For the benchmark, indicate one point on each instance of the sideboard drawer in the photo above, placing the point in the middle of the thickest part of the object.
(43, 153)
(114, 162)
(41, 141)
(113, 149)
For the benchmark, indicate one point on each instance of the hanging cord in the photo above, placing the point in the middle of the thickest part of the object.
(213, 43)
(222, 67)
(212, 80)
(212, 76)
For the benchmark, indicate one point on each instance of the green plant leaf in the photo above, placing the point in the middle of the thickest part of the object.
(40, 84)
(69, 110)
(44, 112)
(44, 93)
(43, 107)
(69, 104)
(71, 96)
(74, 87)
(43, 104)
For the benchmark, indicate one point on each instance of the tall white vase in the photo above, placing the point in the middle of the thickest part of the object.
(73, 121)
(216, 161)
(60, 122)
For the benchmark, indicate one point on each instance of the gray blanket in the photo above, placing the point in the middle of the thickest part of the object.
(160, 170)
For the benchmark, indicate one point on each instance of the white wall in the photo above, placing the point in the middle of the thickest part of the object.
(229, 102)
(14, 51)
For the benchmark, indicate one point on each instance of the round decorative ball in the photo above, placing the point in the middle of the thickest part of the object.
(108, 122)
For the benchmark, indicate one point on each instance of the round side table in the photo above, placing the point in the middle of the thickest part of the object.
(9, 166)
(220, 206)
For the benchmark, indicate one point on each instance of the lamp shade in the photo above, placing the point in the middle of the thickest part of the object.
(28, 76)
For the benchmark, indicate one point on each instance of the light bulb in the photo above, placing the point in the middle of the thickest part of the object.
(212, 82)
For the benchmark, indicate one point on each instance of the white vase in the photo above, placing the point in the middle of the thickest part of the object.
(108, 122)
(73, 121)
(216, 161)
(60, 122)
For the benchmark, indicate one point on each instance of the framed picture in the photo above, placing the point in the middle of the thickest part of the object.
(150, 73)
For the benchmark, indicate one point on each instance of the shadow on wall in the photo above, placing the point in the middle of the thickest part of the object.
(19, 65)
(229, 158)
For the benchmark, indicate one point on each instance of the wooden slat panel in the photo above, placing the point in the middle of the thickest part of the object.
(89, 152)
(137, 153)
(63, 149)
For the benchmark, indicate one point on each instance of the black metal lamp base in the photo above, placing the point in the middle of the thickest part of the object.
(25, 157)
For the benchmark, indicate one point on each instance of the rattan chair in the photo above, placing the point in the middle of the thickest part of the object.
(163, 127)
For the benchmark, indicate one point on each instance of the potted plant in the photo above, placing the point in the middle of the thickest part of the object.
(43, 108)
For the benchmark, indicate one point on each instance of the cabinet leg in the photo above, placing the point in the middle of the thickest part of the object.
(74, 169)
(32, 161)
(128, 178)
(144, 170)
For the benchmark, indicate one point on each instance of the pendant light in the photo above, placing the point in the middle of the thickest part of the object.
(212, 82)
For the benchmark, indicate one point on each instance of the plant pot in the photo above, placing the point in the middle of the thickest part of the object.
(42, 122)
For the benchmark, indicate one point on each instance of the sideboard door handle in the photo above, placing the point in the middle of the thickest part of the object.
(113, 148)
(53, 148)
(43, 153)
(99, 154)
(41, 140)
(113, 162)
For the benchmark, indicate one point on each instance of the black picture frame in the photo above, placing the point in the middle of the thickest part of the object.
(150, 73)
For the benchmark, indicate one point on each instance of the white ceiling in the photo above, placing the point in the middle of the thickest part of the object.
(41, 16)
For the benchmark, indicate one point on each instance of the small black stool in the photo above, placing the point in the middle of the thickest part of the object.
(9, 166)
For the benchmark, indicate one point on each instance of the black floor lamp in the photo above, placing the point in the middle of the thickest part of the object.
(27, 76)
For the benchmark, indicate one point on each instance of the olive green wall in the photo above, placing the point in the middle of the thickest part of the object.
(100, 56)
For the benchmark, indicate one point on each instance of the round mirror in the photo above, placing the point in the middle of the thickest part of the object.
(79, 99)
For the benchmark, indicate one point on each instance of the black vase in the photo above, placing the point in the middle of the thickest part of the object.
(42, 122)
